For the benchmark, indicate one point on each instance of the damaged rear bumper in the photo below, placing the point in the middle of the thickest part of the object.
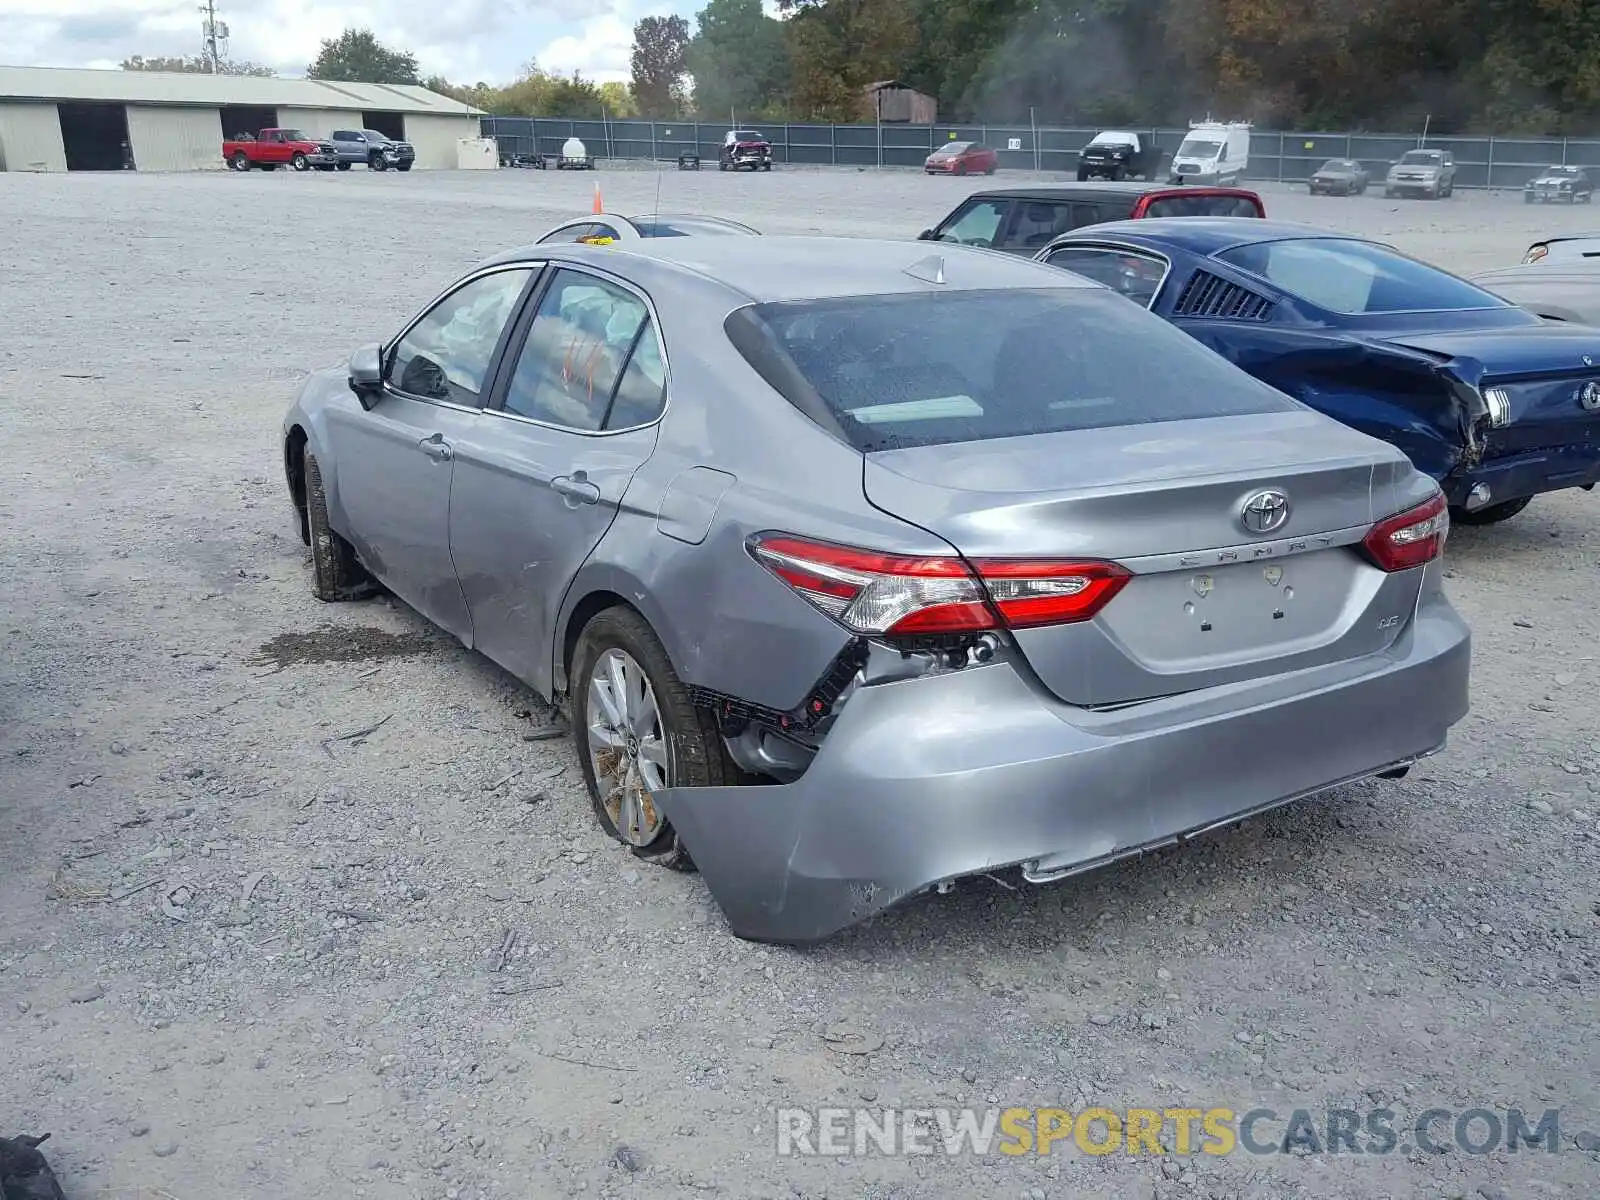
(931, 779)
(1531, 473)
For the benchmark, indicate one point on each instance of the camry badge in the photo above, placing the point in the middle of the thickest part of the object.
(1264, 511)
(1589, 395)
(1273, 576)
(1202, 586)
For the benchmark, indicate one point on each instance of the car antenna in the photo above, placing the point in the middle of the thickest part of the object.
(930, 269)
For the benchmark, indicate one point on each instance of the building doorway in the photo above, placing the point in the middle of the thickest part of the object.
(391, 124)
(246, 119)
(95, 137)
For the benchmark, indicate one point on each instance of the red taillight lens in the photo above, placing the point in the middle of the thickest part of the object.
(1411, 538)
(875, 593)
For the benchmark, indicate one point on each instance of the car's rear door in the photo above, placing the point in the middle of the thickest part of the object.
(542, 475)
(394, 463)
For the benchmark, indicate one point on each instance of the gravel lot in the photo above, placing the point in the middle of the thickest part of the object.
(244, 953)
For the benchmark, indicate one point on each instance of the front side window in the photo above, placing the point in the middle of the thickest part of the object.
(446, 354)
(1352, 277)
(976, 225)
(1136, 276)
(928, 368)
(576, 350)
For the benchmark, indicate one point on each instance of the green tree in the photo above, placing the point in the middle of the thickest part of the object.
(837, 47)
(739, 58)
(618, 99)
(195, 65)
(660, 47)
(356, 56)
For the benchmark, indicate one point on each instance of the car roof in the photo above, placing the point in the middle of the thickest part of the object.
(1208, 235)
(1573, 270)
(770, 269)
(1092, 189)
(1566, 237)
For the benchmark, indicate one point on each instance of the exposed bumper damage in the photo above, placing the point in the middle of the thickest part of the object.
(925, 780)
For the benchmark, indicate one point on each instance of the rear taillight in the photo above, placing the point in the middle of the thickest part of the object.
(894, 595)
(1411, 538)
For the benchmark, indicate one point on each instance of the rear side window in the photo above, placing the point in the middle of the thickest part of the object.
(1038, 223)
(1352, 277)
(930, 368)
(1203, 206)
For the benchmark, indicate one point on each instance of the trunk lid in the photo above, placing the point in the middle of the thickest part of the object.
(1210, 603)
(1542, 373)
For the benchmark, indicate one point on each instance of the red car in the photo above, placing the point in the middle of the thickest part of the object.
(274, 148)
(962, 158)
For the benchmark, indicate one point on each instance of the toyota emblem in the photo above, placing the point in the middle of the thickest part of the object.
(1589, 395)
(1264, 511)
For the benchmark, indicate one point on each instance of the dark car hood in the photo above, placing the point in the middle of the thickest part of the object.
(1538, 349)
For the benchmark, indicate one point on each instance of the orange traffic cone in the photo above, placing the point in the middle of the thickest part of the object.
(598, 206)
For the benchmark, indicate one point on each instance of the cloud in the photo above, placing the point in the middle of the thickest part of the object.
(467, 40)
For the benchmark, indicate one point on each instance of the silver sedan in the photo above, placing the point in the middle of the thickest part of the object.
(861, 569)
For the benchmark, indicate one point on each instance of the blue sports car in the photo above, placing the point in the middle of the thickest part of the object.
(1495, 403)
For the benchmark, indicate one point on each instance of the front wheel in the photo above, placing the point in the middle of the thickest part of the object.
(1083, 175)
(638, 733)
(1492, 514)
(766, 166)
(299, 162)
(376, 163)
(336, 573)
(405, 166)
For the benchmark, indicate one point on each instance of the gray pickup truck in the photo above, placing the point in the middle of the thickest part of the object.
(373, 148)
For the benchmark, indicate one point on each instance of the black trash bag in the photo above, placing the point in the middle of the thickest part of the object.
(24, 1173)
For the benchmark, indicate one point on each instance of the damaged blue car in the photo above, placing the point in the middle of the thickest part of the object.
(1492, 401)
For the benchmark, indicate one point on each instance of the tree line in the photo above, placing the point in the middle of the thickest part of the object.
(1458, 66)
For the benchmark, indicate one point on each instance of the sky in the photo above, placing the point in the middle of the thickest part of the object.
(463, 40)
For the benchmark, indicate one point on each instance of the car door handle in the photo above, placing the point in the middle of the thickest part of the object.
(435, 447)
(576, 488)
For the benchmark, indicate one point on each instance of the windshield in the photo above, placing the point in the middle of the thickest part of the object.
(1222, 205)
(297, 135)
(747, 135)
(687, 227)
(951, 149)
(1338, 164)
(373, 135)
(929, 368)
(1567, 171)
(1200, 148)
(1114, 137)
(1422, 158)
(1351, 277)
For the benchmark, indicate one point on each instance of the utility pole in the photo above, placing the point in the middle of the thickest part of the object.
(211, 30)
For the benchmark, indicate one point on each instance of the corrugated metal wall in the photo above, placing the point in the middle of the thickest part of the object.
(175, 138)
(435, 138)
(318, 122)
(30, 138)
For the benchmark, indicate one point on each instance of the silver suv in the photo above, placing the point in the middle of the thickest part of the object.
(369, 146)
(1429, 173)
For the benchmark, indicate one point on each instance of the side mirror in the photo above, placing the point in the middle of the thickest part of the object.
(366, 375)
(925, 236)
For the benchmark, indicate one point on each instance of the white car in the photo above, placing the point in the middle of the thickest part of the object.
(607, 227)
(1565, 247)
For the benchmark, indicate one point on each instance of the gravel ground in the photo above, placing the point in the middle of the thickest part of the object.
(294, 903)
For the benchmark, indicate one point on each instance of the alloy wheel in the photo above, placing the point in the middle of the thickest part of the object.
(628, 747)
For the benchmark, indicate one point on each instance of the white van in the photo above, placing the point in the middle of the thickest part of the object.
(1214, 152)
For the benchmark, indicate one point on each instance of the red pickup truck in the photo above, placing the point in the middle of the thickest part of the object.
(273, 148)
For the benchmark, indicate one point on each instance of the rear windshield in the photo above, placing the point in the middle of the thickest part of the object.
(1352, 277)
(931, 368)
(1204, 206)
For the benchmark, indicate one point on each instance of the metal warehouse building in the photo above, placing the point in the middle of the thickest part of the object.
(54, 119)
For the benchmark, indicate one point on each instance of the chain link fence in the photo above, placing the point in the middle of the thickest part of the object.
(1283, 156)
